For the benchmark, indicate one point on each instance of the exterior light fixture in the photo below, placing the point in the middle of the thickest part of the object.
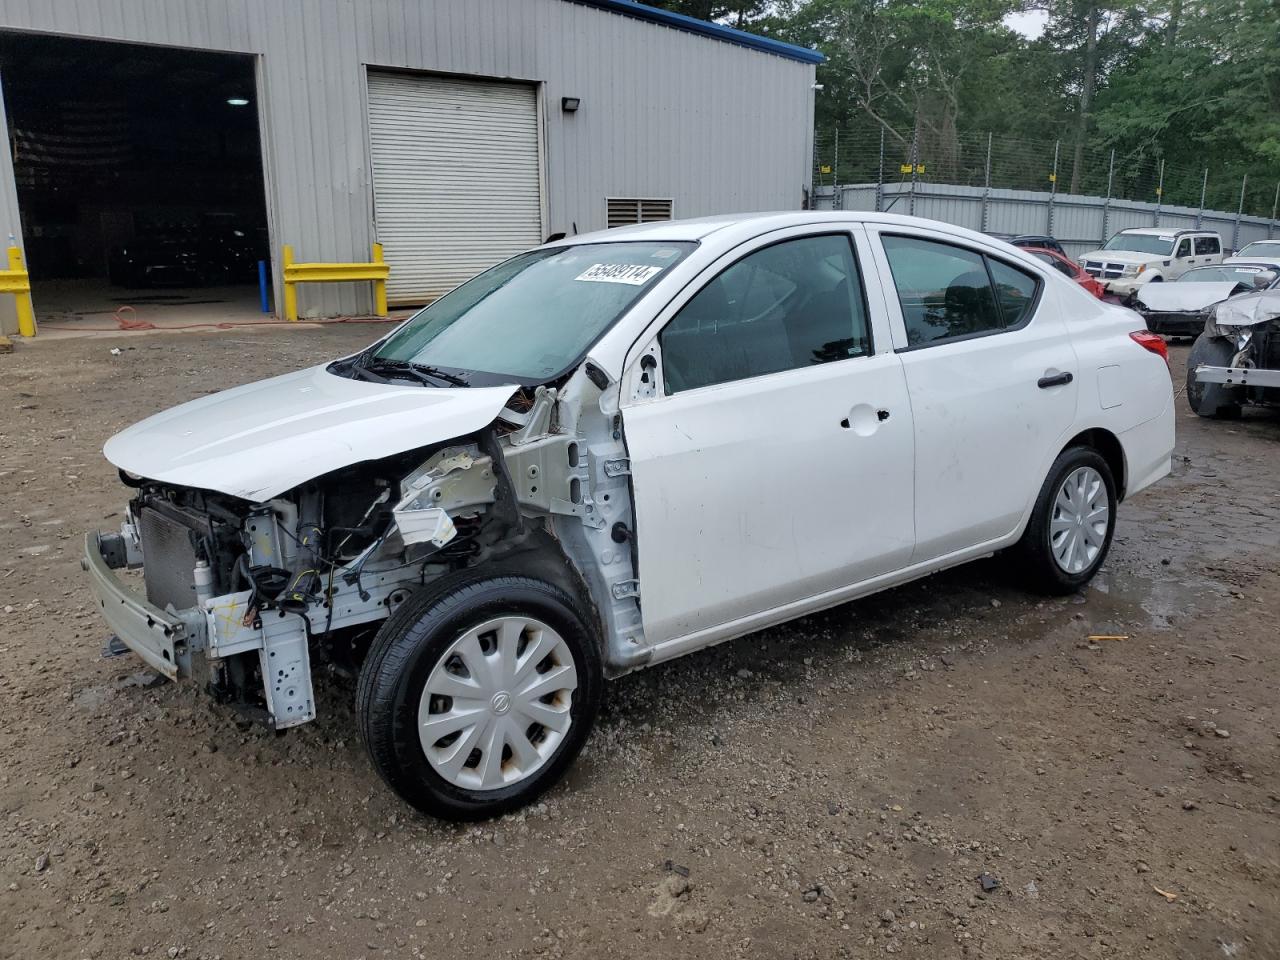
(570, 104)
(237, 102)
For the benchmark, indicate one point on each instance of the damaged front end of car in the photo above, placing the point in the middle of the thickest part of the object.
(245, 595)
(1243, 336)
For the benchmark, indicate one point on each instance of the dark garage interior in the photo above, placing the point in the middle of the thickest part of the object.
(139, 176)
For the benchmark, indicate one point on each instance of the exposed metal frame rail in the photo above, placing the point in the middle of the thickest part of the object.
(1238, 376)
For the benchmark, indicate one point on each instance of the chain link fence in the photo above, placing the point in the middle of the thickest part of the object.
(878, 156)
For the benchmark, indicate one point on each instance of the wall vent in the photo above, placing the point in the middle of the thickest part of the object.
(627, 210)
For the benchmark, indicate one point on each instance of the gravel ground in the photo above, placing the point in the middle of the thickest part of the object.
(838, 787)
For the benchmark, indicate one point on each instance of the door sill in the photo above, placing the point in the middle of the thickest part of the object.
(710, 636)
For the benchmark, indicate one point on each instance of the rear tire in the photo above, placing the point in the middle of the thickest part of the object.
(451, 704)
(1211, 399)
(1067, 538)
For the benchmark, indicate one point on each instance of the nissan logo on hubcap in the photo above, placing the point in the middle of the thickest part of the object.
(501, 702)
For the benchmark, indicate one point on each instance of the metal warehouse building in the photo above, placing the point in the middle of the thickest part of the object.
(162, 145)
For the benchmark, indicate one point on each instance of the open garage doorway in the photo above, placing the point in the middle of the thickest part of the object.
(139, 179)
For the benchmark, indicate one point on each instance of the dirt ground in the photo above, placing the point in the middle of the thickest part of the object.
(833, 788)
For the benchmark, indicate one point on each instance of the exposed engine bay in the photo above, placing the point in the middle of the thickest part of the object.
(254, 592)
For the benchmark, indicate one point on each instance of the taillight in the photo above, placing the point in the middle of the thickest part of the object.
(1151, 341)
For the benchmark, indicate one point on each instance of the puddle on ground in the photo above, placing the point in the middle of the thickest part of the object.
(1164, 601)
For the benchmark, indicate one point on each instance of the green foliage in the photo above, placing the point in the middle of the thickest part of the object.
(1192, 83)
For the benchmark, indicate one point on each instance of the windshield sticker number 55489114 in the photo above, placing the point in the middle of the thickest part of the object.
(635, 274)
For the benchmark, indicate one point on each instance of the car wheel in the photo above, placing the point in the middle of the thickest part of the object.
(1211, 399)
(1071, 525)
(478, 693)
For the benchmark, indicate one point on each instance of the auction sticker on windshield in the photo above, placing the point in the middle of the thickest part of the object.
(635, 274)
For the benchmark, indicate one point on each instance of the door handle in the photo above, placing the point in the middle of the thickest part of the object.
(860, 419)
(1057, 380)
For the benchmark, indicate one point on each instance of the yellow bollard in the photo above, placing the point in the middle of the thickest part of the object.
(375, 271)
(15, 281)
(290, 289)
(379, 286)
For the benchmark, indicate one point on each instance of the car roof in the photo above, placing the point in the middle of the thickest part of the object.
(1164, 231)
(736, 228)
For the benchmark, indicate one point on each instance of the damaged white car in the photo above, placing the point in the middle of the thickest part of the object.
(1236, 360)
(1180, 309)
(614, 450)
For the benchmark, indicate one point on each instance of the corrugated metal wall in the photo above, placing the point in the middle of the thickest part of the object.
(1079, 223)
(665, 113)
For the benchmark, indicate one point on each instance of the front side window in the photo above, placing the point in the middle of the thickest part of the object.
(1184, 248)
(1207, 245)
(793, 304)
(531, 317)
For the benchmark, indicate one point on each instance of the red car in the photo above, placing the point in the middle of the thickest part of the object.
(1069, 268)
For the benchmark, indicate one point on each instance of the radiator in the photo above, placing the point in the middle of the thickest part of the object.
(168, 560)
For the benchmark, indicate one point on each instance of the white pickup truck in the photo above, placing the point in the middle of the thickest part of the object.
(1141, 255)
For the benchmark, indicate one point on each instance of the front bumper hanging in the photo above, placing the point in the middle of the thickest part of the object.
(162, 639)
(166, 640)
(1238, 376)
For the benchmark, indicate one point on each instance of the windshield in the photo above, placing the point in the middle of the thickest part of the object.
(1161, 246)
(1261, 248)
(1250, 276)
(531, 317)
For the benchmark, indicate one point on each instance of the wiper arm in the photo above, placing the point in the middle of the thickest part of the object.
(364, 373)
(427, 376)
(439, 374)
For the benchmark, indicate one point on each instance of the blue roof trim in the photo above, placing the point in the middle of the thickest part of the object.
(679, 21)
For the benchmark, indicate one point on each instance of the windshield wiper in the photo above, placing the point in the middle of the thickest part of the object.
(383, 369)
(450, 378)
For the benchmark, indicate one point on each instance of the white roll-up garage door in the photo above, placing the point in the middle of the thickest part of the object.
(456, 178)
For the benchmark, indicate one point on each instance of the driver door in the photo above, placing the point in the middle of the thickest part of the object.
(772, 463)
(1183, 260)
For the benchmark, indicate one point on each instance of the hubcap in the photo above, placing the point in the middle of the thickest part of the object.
(1081, 514)
(496, 705)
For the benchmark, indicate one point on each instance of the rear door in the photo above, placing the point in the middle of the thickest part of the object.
(991, 372)
(774, 461)
(1208, 250)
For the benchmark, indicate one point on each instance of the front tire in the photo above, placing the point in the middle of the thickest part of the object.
(478, 694)
(1071, 525)
(1211, 399)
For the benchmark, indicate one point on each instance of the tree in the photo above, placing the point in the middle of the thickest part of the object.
(739, 13)
(1090, 39)
(1209, 98)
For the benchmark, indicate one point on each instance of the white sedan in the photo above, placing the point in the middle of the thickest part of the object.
(617, 449)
